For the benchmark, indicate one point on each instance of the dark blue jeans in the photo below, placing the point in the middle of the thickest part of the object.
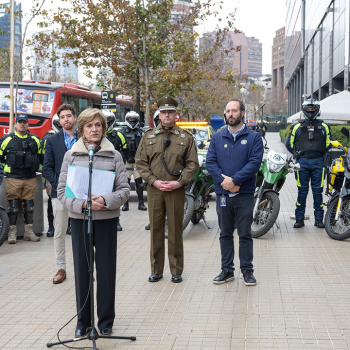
(238, 213)
(310, 169)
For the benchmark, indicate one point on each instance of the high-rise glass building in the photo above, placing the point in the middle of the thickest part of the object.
(317, 49)
(5, 25)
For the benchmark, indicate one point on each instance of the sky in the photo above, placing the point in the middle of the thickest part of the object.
(259, 18)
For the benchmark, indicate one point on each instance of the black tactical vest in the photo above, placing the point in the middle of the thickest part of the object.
(132, 139)
(311, 137)
(22, 154)
(115, 140)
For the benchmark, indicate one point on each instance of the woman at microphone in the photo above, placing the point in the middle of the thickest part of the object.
(92, 125)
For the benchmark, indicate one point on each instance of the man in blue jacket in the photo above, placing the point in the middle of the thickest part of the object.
(233, 160)
(56, 147)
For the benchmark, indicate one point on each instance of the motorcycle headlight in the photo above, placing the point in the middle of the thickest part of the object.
(274, 167)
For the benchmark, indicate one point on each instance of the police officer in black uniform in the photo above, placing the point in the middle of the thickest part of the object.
(20, 153)
(309, 140)
(132, 133)
(118, 141)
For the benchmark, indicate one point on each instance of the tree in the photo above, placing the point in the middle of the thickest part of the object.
(143, 40)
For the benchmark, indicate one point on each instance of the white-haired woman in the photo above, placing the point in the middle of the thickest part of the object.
(92, 126)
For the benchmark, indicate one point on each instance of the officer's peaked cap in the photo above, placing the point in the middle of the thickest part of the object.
(167, 103)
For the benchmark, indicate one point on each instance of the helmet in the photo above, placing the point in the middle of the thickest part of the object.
(225, 117)
(56, 124)
(315, 105)
(132, 119)
(110, 119)
(156, 119)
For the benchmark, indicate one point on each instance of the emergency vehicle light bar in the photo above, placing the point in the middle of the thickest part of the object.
(191, 123)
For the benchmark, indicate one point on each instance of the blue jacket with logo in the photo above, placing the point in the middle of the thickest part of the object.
(240, 158)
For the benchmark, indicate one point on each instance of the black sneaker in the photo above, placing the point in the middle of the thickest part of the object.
(224, 277)
(249, 279)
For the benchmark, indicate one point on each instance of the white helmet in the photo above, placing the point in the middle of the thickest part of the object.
(56, 124)
(156, 119)
(110, 119)
(132, 119)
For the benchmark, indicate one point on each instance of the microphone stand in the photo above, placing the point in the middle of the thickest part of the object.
(93, 334)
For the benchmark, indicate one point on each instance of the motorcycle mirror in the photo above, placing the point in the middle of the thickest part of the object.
(345, 132)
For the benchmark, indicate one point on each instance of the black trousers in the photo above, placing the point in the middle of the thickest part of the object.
(237, 213)
(105, 242)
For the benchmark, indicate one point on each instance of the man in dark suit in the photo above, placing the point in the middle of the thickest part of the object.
(55, 149)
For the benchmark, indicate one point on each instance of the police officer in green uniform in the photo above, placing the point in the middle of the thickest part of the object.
(21, 155)
(167, 160)
(118, 141)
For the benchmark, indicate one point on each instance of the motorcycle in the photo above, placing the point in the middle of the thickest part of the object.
(198, 194)
(270, 180)
(337, 218)
(4, 225)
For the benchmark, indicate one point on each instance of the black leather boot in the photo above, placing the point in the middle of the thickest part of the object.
(141, 205)
(139, 190)
(119, 228)
(126, 204)
(319, 224)
(299, 224)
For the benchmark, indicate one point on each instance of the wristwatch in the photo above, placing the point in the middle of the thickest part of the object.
(233, 180)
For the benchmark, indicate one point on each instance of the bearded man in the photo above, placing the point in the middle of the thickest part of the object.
(233, 160)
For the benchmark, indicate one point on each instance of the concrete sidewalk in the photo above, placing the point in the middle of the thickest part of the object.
(301, 300)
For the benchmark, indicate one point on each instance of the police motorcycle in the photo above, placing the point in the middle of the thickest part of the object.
(337, 218)
(4, 225)
(198, 194)
(270, 180)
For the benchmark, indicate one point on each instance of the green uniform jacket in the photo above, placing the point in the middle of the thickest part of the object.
(182, 148)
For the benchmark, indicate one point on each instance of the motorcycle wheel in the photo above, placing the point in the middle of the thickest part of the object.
(196, 217)
(4, 226)
(188, 212)
(266, 214)
(338, 230)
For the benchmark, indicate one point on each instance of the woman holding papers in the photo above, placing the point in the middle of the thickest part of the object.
(91, 131)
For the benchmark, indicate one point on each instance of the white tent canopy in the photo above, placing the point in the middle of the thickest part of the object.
(334, 108)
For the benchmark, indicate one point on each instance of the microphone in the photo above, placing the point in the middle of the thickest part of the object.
(91, 149)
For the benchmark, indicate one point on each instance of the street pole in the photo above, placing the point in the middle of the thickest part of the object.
(12, 62)
(138, 100)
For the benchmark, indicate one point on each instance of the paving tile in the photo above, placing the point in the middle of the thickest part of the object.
(301, 300)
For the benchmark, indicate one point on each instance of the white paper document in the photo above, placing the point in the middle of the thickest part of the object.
(78, 182)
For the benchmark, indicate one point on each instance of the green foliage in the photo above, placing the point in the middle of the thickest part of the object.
(282, 125)
(336, 133)
(284, 132)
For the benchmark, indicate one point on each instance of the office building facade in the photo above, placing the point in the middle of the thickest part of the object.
(277, 69)
(246, 61)
(5, 26)
(317, 49)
